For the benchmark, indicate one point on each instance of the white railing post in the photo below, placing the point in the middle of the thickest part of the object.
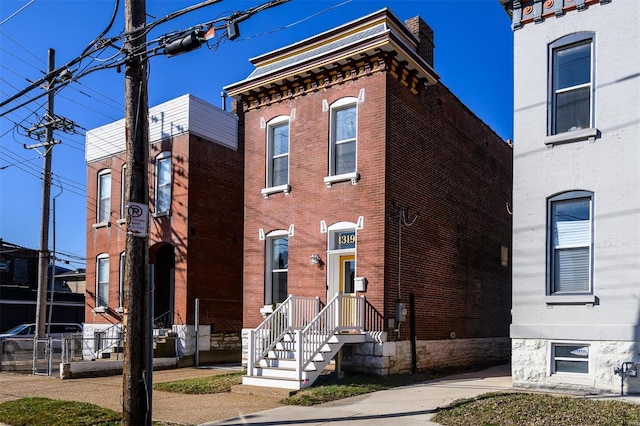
(251, 352)
(292, 312)
(299, 354)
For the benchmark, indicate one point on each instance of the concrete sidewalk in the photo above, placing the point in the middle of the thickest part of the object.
(409, 405)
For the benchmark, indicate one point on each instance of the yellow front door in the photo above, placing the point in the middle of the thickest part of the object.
(347, 288)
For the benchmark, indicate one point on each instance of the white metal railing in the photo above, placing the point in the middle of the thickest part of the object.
(105, 340)
(292, 314)
(344, 313)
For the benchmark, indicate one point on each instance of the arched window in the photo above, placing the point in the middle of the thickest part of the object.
(278, 152)
(102, 281)
(277, 266)
(571, 69)
(163, 183)
(104, 196)
(570, 243)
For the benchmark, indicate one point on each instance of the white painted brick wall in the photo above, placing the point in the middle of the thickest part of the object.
(609, 167)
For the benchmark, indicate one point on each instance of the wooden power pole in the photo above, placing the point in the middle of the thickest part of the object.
(43, 254)
(136, 396)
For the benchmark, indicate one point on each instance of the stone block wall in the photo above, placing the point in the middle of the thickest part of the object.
(531, 367)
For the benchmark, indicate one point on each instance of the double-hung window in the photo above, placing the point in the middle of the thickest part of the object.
(104, 196)
(277, 262)
(343, 137)
(571, 83)
(570, 243)
(121, 282)
(123, 192)
(163, 183)
(102, 281)
(278, 153)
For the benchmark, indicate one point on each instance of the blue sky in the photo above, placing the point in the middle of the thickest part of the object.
(473, 56)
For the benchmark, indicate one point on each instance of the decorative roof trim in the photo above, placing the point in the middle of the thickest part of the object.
(377, 32)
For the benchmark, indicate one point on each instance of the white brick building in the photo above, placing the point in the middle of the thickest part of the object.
(576, 197)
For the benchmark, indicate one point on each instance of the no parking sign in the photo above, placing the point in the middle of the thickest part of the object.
(138, 215)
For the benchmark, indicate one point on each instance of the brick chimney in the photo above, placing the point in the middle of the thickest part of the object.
(424, 34)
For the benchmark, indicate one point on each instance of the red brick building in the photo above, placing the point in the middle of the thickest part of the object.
(365, 176)
(195, 224)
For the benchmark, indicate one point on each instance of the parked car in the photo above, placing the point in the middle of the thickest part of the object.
(21, 336)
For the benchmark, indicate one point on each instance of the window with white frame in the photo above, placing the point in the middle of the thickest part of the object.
(123, 192)
(104, 196)
(278, 152)
(570, 243)
(342, 144)
(121, 282)
(569, 358)
(277, 262)
(163, 183)
(571, 83)
(102, 281)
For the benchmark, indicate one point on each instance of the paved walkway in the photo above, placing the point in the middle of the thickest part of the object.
(409, 405)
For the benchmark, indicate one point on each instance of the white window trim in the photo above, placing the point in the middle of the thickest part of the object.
(99, 258)
(269, 189)
(163, 156)
(268, 277)
(120, 308)
(586, 379)
(123, 192)
(589, 133)
(354, 176)
(103, 223)
(583, 297)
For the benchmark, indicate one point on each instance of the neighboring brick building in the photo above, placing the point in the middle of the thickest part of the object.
(576, 244)
(195, 224)
(365, 176)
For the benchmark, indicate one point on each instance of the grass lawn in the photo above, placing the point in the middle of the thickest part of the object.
(525, 409)
(492, 409)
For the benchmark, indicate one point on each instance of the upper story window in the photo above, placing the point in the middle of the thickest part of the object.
(571, 88)
(277, 179)
(123, 192)
(570, 243)
(343, 124)
(163, 183)
(277, 262)
(104, 196)
(102, 281)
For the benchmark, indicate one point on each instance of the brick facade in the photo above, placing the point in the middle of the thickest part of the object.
(418, 147)
(201, 238)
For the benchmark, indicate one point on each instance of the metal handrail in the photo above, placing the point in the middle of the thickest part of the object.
(344, 313)
(292, 314)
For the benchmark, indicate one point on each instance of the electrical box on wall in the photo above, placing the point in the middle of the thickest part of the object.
(401, 312)
(360, 283)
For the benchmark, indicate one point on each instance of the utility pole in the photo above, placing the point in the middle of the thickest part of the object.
(43, 254)
(136, 397)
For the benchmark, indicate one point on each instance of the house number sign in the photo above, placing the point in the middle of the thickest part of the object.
(346, 240)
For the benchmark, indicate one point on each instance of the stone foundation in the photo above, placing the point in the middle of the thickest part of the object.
(531, 367)
(377, 356)
(383, 358)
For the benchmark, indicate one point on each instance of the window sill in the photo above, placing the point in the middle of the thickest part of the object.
(575, 136)
(121, 222)
(160, 214)
(120, 310)
(101, 225)
(580, 299)
(100, 309)
(353, 177)
(275, 189)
